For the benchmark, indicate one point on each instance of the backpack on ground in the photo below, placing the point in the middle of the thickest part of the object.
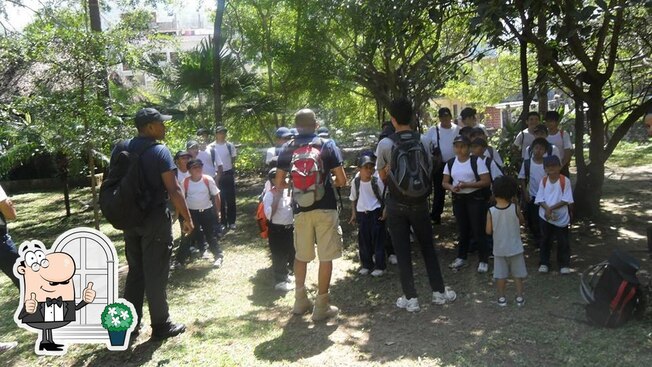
(410, 179)
(612, 292)
(307, 176)
(124, 197)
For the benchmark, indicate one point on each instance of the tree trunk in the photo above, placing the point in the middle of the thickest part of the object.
(525, 83)
(102, 75)
(590, 178)
(217, 63)
(542, 72)
(63, 165)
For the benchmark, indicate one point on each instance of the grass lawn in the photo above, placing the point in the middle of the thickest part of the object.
(235, 318)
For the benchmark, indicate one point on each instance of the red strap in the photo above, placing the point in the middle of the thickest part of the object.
(205, 178)
(630, 295)
(545, 179)
(616, 300)
(562, 180)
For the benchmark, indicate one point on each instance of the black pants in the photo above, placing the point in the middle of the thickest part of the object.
(8, 256)
(281, 245)
(532, 216)
(148, 249)
(371, 239)
(204, 221)
(548, 231)
(227, 194)
(399, 219)
(439, 195)
(470, 211)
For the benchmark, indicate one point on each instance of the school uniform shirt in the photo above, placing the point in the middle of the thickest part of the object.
(523, 140)
(222, 151)
(209, 168)
(462, 172)
(506, 231)
(271, 153)
(551, 194)
(496, 156)
(561, 141)
(284, 214)
(446, 137)
(537, 172)
(493, 167)
(3, 197)
(555, 152)
(367, 200)
(182, 176)
(198, 196)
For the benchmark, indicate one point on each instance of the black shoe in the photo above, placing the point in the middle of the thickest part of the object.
(50, 347)
(167, 331)
(134, 334)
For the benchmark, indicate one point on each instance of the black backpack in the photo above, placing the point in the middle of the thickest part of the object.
(410, 180)
(612, 291)
(124, 199)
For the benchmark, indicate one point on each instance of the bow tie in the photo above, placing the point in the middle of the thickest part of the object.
(54, 301)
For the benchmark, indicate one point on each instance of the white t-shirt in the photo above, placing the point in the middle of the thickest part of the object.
(367, 200)
(523, 140)
(205, 157)
(181, 176)
(222, 151)
(462, 172)
(270, 154)
(561, 141)
(283, 215)
(198, 196)
(446, 137)
(496, 158)
(493, 167)
(536, 174)
(551, 194)
(3, 197)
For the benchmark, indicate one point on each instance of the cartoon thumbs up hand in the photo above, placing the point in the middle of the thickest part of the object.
(31, 303)
(89, 293)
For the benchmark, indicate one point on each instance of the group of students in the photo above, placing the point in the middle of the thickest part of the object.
(205, 172)
(486, 204)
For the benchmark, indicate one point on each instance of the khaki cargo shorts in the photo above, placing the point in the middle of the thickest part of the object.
(321, 227)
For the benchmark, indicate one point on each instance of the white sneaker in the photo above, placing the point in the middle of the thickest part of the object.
(218, 263)
(363, 271)
(232, 226)
(207, 255)
(564, 271)
(284, 286)
(483, 267)
(411, 305)
(392, 259)
(458, 263)
(377, 273)
(543, 269)
(440, 298)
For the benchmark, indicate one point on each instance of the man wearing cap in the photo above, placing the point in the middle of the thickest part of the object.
(439, 140)
(282, 136)
(224, 151)
(197, 150)
(149, 245)
(181, 161)
(323, 132)
(468, 115)
(525, 138)
(318, 223)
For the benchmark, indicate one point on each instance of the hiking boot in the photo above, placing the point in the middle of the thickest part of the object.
(447, 296)
(377, 273)
(457, 264)
(392, 259)
(301, 302)
(502, 301)
(167, 330)
(564, 271)
(323, 309)
(520, 301)
(410, 305)
(483, 267)
(543, 269)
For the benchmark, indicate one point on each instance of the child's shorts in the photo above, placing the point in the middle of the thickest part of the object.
(504, 265)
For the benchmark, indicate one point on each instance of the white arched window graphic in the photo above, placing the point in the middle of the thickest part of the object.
(95, 261)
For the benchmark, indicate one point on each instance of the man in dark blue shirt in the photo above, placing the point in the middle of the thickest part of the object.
(317, 223)
(148, 247)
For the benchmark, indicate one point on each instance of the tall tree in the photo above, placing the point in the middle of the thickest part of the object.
(218, 43)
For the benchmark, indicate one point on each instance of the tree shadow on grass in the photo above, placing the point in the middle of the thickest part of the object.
(300, 339)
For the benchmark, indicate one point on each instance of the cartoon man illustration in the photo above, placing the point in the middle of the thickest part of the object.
(48, 291)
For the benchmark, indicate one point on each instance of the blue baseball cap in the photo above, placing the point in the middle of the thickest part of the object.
(283, 132)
